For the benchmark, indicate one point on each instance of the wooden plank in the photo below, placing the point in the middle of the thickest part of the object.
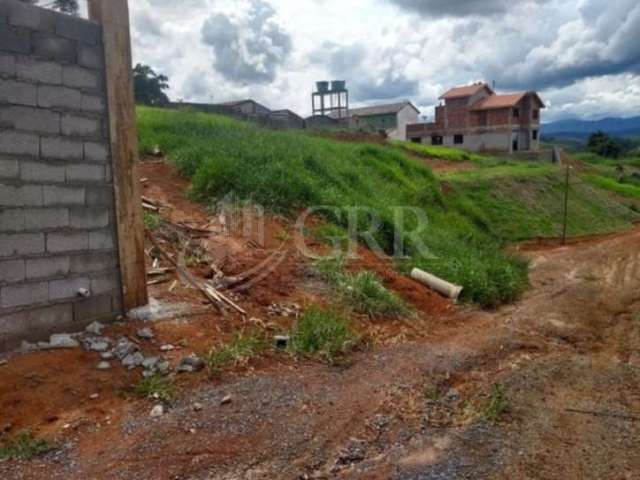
(114, 17)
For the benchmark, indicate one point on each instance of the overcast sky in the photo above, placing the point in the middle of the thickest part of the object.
(582, 55)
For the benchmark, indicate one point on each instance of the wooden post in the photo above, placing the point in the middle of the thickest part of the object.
(123, 134)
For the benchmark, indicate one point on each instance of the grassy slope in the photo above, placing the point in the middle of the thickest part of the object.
(285, 171)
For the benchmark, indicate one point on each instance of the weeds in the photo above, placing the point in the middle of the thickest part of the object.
(240, 350)
(322, 332)
(156, 386)
(151, 220)
(497, 405)
(363, 292)
(25, 447)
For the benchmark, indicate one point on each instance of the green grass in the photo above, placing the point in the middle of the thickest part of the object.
(631, 189)
(594, 159)
(285, 171)
(497, 404)
(242, 348)
(151, 220)
(324, 333)
(24, 447)
(362, 292)
(517, 208)
(443, 153)
(469, 225)
(156, 386)
(508, 169)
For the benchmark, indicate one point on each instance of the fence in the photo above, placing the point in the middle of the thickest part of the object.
(71, 237)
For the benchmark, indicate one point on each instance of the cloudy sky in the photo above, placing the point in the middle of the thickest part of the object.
(583, 55)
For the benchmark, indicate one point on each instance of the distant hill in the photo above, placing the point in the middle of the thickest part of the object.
(581, 129)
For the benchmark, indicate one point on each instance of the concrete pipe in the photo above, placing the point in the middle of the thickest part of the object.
(441, 286)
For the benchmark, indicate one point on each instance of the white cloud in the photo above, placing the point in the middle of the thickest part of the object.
(584, 55)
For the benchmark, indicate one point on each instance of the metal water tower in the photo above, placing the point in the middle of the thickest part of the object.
(331, 99)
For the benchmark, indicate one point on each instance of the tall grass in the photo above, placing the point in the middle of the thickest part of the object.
(285, 171)
(443, 153)
(322, 332)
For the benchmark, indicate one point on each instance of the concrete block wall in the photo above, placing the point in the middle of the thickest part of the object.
(57, 231)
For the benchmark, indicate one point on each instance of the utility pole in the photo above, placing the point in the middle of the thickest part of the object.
(566, 205)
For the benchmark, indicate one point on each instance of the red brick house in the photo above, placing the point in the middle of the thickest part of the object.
(476, 118)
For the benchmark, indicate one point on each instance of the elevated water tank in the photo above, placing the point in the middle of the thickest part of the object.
(323, 87)
(338, 85)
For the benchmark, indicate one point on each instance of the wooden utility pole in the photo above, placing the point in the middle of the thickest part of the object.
(566, 205)
(113, 15)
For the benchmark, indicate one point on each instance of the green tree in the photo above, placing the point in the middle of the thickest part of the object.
(149, 86)
(69, 7)
(604, 145)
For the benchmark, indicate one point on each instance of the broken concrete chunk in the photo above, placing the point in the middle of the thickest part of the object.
(124, 347)
(190, 364)
(133, 360)
(99, 346)
(95, 328)
(145, 334)
(62, 340)
(106, 355)
(103, 366)
(150, 362)
(157, 411)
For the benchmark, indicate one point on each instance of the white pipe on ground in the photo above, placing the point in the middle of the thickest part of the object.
(443, 287)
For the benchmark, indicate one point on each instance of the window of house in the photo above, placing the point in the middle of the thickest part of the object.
(416, 140)
(535, 135)
(516, 113)
(436, 140)
(536, 114)
(458, 139)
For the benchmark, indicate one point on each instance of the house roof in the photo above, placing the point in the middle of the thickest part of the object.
(388, 109)
(462, 92)
(237, 103)
(285, 111)
(494, 102)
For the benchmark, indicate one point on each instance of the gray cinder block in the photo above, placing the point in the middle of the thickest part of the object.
(67, 288)
(12, 271)
(23, 295)
(74, 125)
(38, 268)
(96, 152)
(59, 97)
(78, 77)
(54, 48)
(46, 218)
(11, 220)
(91, 57)
(16, 40)
(102, 240)
(27, 68)
(30, 119)
(42, 172)
(78, 29)
(21, 195)
(58, 195)
(21, 244)
(9, 168)
(67, 242)
(60, 148)
(85, 173)
(18, 93)
(89, 217)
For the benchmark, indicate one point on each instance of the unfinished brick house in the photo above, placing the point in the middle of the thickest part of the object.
(476, 118)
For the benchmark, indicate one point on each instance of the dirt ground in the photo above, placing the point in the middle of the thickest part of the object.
(414, 405)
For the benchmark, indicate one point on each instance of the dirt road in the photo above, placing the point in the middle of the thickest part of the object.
(567, 357)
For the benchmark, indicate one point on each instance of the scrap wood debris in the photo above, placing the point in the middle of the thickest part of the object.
(212, 294)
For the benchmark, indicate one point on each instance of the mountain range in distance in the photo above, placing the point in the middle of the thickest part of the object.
(582, 129)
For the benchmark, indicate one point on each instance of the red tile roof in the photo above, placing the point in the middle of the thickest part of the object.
(462, 92)
(494, 102)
